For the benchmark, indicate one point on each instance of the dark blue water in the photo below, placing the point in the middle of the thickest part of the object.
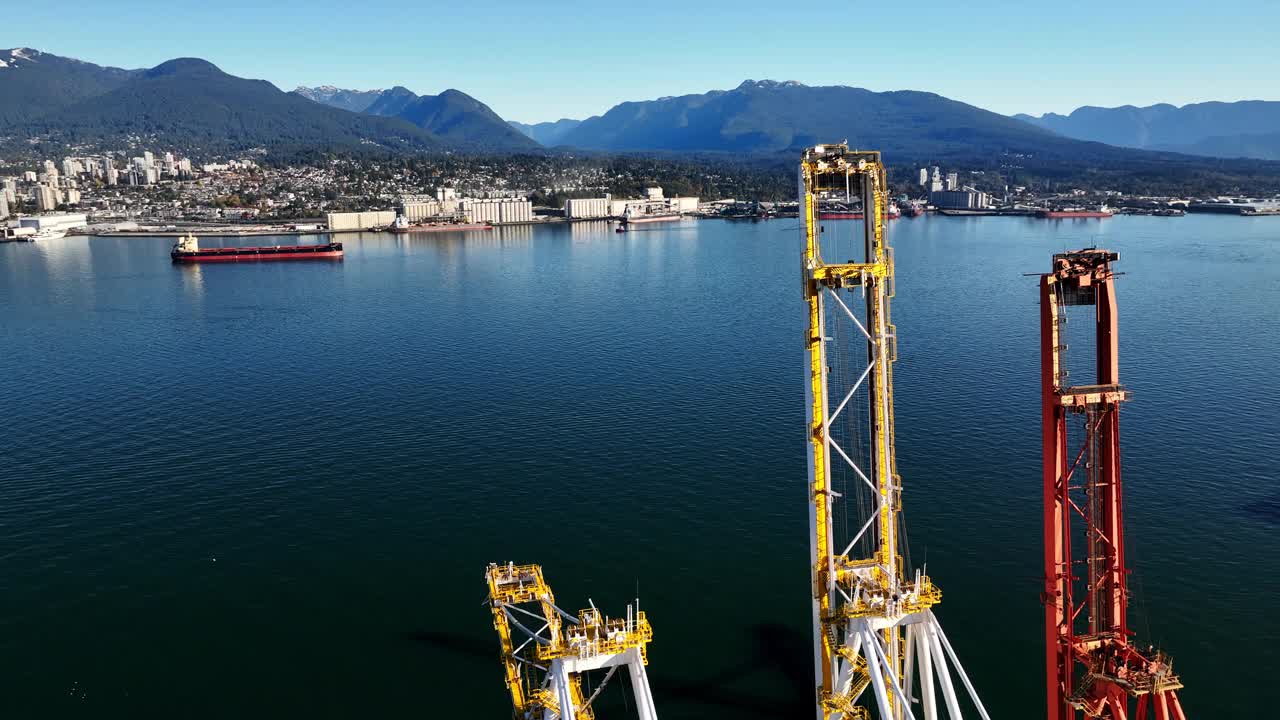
(272, 489)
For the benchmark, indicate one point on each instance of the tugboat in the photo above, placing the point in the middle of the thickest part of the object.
(187, 249)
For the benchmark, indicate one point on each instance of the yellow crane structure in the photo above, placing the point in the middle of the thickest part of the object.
(877, 642)
(545, 667)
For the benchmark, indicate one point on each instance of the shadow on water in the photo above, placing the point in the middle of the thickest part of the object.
(1266, 510)
(777, 651)
(452, 643)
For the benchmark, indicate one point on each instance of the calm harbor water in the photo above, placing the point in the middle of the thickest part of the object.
(272, 489)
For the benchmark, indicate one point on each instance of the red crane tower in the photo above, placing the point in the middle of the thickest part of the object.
(1091, 665)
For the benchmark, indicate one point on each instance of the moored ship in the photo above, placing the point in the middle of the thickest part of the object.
(188, 249)
(840, 211)
(1054, 214)
(635, 218)
(403, 226)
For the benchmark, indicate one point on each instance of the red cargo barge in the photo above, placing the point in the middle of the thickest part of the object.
(188, 249)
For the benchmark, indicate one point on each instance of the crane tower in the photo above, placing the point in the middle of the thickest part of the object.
(1091, 666)
(877, 642)
(544, 668)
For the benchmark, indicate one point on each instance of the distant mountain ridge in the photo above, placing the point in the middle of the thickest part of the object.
(353, 100)
(1247, 128)
(546, 133)
(190, 103)
(770, 116)
(33, 83)
(452, 115)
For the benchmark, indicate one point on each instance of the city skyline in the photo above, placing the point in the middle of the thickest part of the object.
(573, 60)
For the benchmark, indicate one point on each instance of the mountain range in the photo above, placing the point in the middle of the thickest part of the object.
(190, 104)
(353, 100)
(453, 116)
(547, 133)
(33, 83)
(768, 116)
(1249, 128)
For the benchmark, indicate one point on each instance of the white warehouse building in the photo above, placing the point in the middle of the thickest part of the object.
(60, 221)
(498, 210)
(360, 220)
(584, 208)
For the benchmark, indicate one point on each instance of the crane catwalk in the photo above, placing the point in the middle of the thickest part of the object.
(874, 630)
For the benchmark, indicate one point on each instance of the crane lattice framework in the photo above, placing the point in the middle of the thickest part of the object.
(544, 668)
(1086, 602)
(874, 628)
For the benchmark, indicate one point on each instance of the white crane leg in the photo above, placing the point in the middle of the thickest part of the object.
(640, 686)
(944, 674)
(927, 697)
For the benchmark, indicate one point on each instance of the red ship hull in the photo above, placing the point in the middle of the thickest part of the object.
(271, 252)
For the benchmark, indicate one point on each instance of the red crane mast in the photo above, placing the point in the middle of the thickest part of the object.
(1092, 668)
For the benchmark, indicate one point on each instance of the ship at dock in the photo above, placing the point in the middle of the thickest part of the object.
(635, 217)
(835, 210)
(188, 250)
(1060, 213)
(402, 225)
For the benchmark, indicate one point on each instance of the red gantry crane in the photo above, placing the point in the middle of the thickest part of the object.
(1092, 668)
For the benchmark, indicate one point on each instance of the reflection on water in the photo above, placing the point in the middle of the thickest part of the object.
(192, 275)
(353, 441)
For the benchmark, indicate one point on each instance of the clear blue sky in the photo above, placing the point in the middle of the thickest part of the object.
(534, 61)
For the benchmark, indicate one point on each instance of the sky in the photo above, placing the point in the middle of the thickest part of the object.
(536, 61)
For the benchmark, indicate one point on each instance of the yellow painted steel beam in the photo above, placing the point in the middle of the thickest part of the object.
(881, 574)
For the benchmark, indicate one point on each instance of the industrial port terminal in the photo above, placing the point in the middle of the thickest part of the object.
(879, 648)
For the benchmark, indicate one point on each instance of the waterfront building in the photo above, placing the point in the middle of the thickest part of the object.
(4, 205)
(416, 212)
(924, 177)
(953, 181)
(497, 210)
(56, 221)
(960, 200)
(360, 220)
(582, 208)
(73, 197)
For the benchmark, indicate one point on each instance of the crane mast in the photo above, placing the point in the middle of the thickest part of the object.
(1086, 601)
(873, 625)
